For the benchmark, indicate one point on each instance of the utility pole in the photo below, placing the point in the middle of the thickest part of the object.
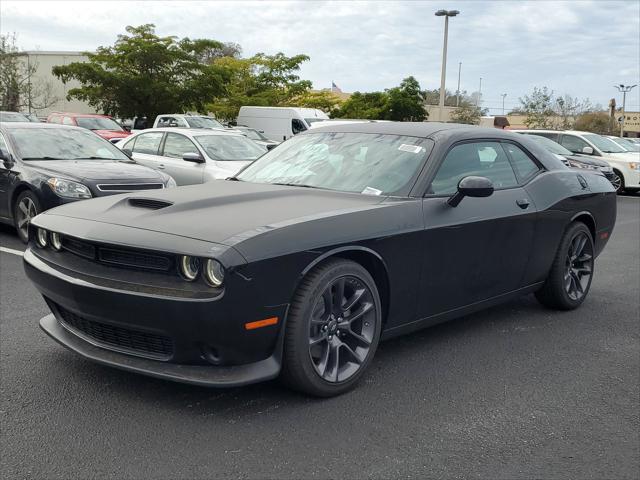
(458, 90)
(446, 14)
(503, 95)
(479, 94)
(624, 89)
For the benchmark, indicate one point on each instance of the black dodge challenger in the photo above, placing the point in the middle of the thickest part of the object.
(300, 265)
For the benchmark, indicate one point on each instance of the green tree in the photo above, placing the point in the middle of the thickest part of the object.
(596, 122)
(406, 102)
(144, 75)
(467, 113)
(370, 106)
(538, 108)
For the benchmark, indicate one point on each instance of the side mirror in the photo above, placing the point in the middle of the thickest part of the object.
(271, 145)
(127, 152)
(6, 159)
(477, 187)
(193, 157)
(587, 150)
(126, 128)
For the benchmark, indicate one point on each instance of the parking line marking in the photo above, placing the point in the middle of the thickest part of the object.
(12, 251)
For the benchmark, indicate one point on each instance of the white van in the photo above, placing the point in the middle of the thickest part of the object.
(279, 123)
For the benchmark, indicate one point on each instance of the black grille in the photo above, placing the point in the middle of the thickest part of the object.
(149, 203)
(79, 247)
(119, 338)
(133, 259)
(128, 187)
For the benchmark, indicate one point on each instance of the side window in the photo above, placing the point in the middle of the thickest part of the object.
(148, 143)
(482, 159)
(54, 119)
(575, 144)
(127, 144)
(175, 146)
(3, 145)
(67, 121)
(163, 122)
(525, 167)
(297, 126)
(550, 136)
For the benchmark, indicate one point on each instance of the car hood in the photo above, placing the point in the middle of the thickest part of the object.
(223, 212)
(97, 170)
(109, 134)
(626, 156)
(589, 160)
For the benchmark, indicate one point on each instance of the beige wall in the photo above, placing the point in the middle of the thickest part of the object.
(44, 62)
(434, 113)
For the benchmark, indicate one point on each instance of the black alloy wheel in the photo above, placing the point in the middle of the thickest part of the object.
(572, 270)
(333, 328)
(27, 206)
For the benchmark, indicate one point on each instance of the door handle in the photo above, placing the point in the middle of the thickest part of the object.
(523, 203)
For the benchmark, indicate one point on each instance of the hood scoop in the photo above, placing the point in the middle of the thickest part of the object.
(149, 203)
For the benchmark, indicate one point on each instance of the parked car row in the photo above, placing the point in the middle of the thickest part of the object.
(624, 162)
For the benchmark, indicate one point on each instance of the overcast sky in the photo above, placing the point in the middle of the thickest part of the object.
(578, 47)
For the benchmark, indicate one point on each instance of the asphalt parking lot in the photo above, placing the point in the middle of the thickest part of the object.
(516, 391)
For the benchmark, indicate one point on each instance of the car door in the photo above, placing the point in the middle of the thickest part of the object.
(480, 248)
(145, 149)
(183, 172)
(5, 180)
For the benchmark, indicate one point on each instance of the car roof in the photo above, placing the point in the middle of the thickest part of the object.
(412, 129)
(19, 125)
(192, 132)
(71, 114)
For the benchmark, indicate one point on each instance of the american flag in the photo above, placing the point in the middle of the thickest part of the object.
(335, 88)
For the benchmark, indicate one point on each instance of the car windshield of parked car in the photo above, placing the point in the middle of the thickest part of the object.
(550, 145)
(230, 147)
(63, 144)
(203, 122)
(351, 162)
(604, 144)
(254, 134)
(627, 145)
(12, 117)
(98, 123)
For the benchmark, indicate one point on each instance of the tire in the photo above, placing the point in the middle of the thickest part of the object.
(620, 188)
(26, 207)
(341, 336)
(572, 270)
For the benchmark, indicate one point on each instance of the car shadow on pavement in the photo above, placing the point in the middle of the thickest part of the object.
(399, 354)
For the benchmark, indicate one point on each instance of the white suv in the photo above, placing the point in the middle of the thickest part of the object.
(625, 164)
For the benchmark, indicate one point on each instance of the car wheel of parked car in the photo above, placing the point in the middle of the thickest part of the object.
(570, 277)
(27, 206)
(618, 181)
(332, 330)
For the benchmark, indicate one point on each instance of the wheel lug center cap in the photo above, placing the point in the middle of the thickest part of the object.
(332, 325)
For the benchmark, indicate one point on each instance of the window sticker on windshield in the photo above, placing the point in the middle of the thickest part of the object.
(410, 148)
(371, 191)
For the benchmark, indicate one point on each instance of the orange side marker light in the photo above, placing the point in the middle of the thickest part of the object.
(261, 323)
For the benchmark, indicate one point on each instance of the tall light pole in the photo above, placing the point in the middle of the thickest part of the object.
(479, 94)
(503, 95)
(446, 14)
(624, 89)
(458, 90)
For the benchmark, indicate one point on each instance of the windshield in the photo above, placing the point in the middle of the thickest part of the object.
(203, 122)
(604, 144)
(12, 117)
(550, 145)
(98, 123)
(627, 145)
(63, 144)
(254, 134)
(350, 162)
(230, 147)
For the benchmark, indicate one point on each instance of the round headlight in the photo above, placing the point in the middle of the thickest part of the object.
(213, 273)
(189, 267)
(41, 238)
(56, 241)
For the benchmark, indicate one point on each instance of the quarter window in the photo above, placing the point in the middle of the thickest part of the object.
(297, 126)
(524, 166)
(482, 159)
(148, 143)
(575, 144)
(175, 146)
(67, 121)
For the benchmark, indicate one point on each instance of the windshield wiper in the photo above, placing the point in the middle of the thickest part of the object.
(296, 185)
(43, 158)
(93, 158)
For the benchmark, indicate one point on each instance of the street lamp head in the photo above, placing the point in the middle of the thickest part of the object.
(453, 13)
(441, 13)
(447, 13)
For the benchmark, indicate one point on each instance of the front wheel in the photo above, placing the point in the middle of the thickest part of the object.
(570, 277)
(332, 330)
(618, 181)
(27, 206)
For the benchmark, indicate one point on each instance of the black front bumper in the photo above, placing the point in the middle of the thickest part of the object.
(198, 341)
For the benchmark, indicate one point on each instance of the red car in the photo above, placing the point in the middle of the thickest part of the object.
(103, 125)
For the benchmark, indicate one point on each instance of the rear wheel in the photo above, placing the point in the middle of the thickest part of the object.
(618, 181)
(27, 206)
(570, 277)
(332, 330)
